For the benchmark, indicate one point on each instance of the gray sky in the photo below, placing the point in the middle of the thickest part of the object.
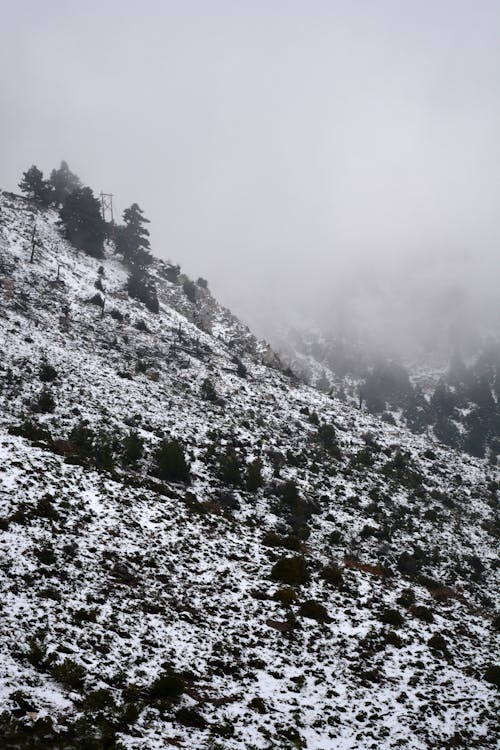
(277, 146)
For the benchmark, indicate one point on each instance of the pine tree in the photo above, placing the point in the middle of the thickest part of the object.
(132, 237)
(141, 287)
(35, 187)
(63, 182)
(170, 460)
(253, 477)
(443, 401)
(446, 430)
(189, 288)
(477, 433)
(82, 221)
(416, 410)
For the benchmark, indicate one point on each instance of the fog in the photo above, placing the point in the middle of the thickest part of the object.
(313, 160)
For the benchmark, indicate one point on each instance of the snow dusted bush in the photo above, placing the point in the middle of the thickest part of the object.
(291, 570)
(170, 462)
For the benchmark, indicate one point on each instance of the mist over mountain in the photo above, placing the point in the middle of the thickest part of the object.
(292, 155)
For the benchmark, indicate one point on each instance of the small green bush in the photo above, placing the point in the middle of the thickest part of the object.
(241, 370)
(18, 734)
(129, 713)
(116, 315)
(169, 687)
(207, 391)
(231, 468)
(285, 596)
(190, 717)
(225, 730)
(333, 574)
(393, 639)
(392, 617)
(32, 431)
(45, 402)
(85, 615)
(367, 531)
(492, 675)
(290, 493)
(37, 654)
(402, 470)
(422, 613)
(258, 704)
(81, 438)
(291, 543)
(99, 700)
(102, 452)
(406, 598)
(45, 508)
(253, 478)
(409, 564)
(46, 554)
(438, 643)
(363, 458)
(170, 462)
(70, 674)
(271, 539)
(132, 449)
(291, 570)
(327, 438)
(47, 373)
(314, 611)
(336, 537)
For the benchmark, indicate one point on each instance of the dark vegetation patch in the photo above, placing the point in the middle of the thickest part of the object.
(291, 570)
(313, 610)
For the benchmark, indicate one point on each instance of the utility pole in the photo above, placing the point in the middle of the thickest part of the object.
(107, 206)
(34, 243)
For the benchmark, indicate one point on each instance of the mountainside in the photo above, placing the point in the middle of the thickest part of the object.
(198, 550)
(455, 400)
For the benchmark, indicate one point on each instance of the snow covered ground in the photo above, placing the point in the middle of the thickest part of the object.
(111, 578)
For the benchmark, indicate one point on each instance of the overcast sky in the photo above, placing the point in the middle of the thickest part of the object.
(276, 146)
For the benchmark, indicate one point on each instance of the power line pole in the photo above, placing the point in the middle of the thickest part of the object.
(34, 243)
(107, 206)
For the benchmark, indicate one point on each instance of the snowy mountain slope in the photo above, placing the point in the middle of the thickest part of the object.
(142, 613)
(452, 397)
